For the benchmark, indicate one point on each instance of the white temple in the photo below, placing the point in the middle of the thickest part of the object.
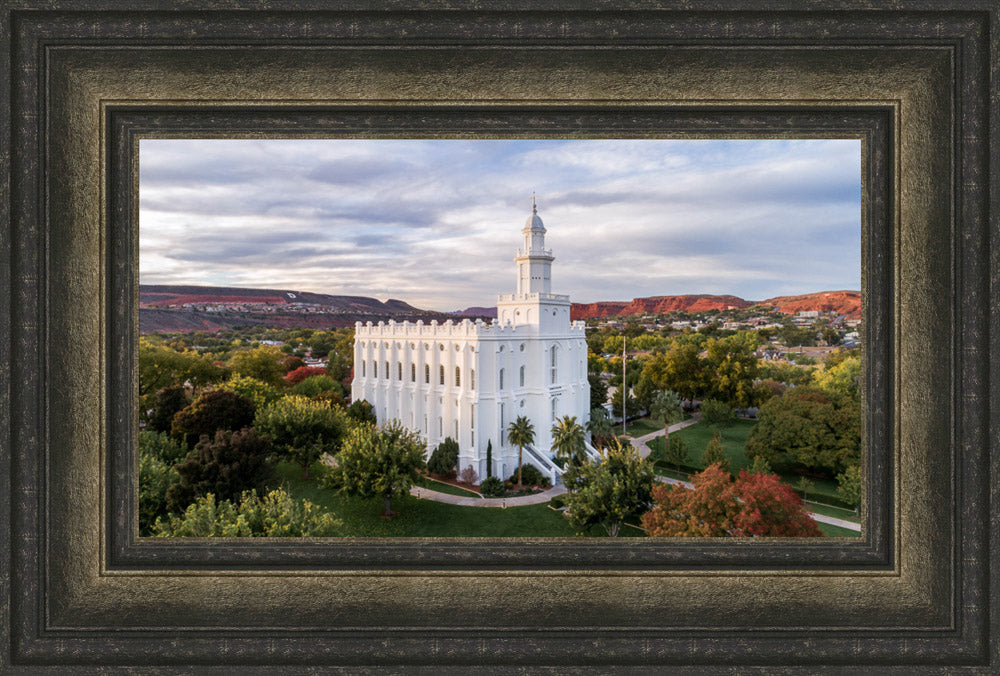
(470, 380)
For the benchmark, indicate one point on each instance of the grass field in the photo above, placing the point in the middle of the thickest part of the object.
(425, 518)
(639, 427)
(836, 531)
(442, 487)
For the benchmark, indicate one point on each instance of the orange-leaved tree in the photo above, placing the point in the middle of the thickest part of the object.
(754, 505)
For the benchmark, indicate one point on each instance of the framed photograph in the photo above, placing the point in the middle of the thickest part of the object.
(89, 90)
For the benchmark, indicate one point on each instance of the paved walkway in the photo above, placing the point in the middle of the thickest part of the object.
(641, 444)
(536, 499)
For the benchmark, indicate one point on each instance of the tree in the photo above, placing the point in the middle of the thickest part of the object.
(212, 410)
(676, 452)
(715, 412)
(298, 375)
(303, 429)
(378, 462)
(849, 487)
(760, 466)
(155, 478)
(644, 391)
(598, 390)
(292, 362)
(715, 454)
(361, 412)
(315, 385)
(667, 409)
(680, 368)
(226, 465)
(489, 458)
(274, 515)
(257, 391)
(263, 363)
(599, 426)
(444, 459)
(805, 485)
(610, 492)
(166, 402)
(842, 378)
(521, 433)
(568, 439)
(161, 366)
(752, 506)
(732, 362)
(808, 428)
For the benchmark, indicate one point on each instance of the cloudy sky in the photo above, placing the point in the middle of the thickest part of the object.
(436, 222)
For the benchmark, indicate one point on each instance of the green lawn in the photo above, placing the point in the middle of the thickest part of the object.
(639, 427)
(697, 436)
(442, 487)
(836, 531)
(426, 518)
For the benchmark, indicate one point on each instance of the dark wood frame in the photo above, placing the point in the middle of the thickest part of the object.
(80, 591)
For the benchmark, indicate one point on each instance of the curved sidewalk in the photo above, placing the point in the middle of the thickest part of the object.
(641, 443)
(519, 501)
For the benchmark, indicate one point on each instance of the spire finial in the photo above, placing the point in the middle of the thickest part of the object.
(534, 210)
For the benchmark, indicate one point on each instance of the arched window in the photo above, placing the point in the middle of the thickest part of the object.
(363, 368)
(472, 379)
(375, 367)
(458, 376)
(399, 370)
(427, 373)
(501, 379)
(442, 374)
(554, 359)
(388, 375)
(413, 373)
(522, 376)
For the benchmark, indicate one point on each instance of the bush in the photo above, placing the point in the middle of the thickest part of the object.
(166, 402)
(303, 429)
(314, 385)
(160, 446)
(531, 476)
(274, 515)
(213, 410)
(469, 476)
(257, 391)
(227, 465)
(714, 412)
(493, 487)
(558, 502)
(444, 459)
(155, 479)
(361, 412)
(298, 375)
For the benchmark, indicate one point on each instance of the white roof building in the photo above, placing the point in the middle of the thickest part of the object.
(470, 380)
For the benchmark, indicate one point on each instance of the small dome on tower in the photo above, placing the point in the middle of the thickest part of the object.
(534, 222)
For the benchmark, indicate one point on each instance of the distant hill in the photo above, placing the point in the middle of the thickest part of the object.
(175, 308)
(842, 302)
(179, 308)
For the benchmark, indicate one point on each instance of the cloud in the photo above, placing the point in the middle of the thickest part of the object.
(436, 222)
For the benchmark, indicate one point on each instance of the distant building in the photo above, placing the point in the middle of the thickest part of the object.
(470, 380)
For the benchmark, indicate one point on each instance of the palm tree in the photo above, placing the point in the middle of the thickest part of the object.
(522, 433)
(568, 438)
(600, 427)
(667, 407)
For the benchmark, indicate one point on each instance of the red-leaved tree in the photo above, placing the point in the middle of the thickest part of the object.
(752, 506)
(296, 376)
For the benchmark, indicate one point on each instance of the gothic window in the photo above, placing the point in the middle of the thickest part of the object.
(501, 379)
(399, 370)
(442, 374)
(522, 376)
(553, 360)
(363, 368)
(375, 367)
(427, 373)
(472, 379)
(413, 373)
(458, 376)
(387, 374)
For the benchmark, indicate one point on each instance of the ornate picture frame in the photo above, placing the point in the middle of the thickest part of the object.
(87, 80)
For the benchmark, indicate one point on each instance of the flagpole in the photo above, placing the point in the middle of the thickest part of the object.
(624, 386)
